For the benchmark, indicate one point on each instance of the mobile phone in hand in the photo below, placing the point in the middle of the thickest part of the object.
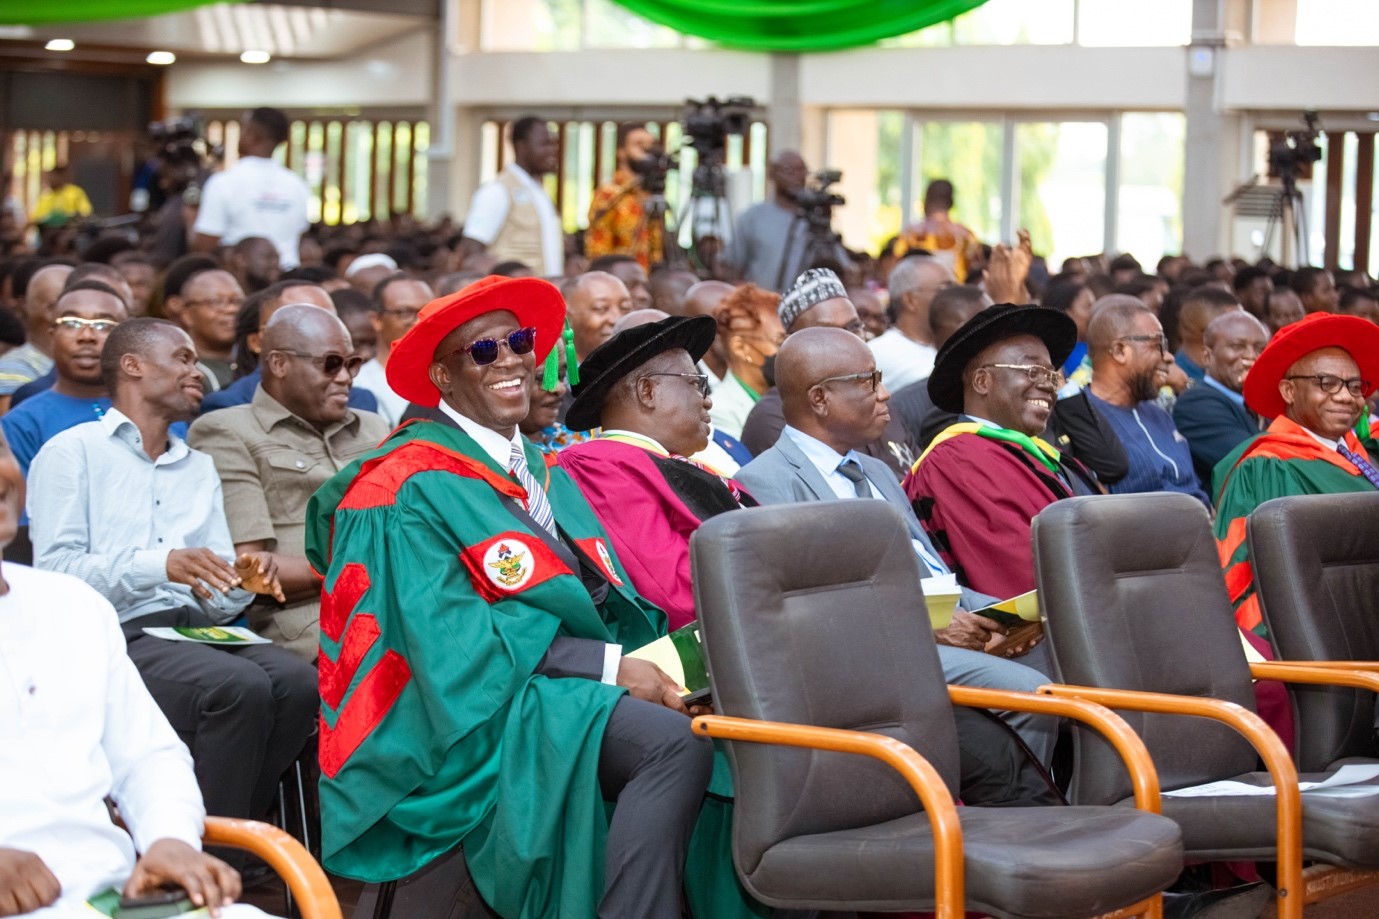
(156, 905)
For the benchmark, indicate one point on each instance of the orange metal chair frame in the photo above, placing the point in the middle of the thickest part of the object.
(304, 877)
(928, 785)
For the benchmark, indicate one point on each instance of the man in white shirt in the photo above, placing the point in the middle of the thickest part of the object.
(397, 300)
(125, 505)
(256, 196)
(905, 352)
(511, 218)
(80, 726)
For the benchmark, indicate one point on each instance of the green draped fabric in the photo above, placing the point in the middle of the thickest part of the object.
(36, 12)
(797, 25)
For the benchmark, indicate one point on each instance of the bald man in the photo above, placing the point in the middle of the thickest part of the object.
(1212, 415)
(272, 454)
(668, 289)
(835, 403)
(1199, 308)
(703, 299)
(33, 359)
(265, 303)
(594, 301)
(1130, 362)
(768, 247)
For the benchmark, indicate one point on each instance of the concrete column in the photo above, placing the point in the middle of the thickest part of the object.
(784, 110)
(1213, 136)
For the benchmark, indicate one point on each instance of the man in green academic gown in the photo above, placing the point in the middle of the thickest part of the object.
(473, 617)
(1312, 379)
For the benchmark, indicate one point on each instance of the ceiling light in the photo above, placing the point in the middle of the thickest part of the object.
(161, 58)
(60, 44)
(255, 57)
(1373, 116)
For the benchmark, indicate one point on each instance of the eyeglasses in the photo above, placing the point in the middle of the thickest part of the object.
(1035, 372)
(405, 314)
(485, 350)
(873, 379)
(76, 324)
(1332, 384)
(1161, 340)
(330, 364)
(701, 381)
(218, 303)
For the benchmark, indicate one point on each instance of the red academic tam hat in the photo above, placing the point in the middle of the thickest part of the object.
(533, 301)
(1357, 337)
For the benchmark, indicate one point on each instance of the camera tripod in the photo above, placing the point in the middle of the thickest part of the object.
(820, 245)
(1289, 213)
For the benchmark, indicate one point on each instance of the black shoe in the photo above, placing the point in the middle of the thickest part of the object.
(1244, 902)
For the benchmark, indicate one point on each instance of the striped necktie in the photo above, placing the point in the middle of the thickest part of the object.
(537, 505)
(1359, 462)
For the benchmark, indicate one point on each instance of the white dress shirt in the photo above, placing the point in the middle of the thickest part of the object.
(499, 449)
(901, 359)
(732, 403)
(78, 725)
(488, 211)
(827, 460)
(101, 510)
(374, 377)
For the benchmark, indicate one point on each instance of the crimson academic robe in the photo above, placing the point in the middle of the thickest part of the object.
(650, 504)
(976, 498)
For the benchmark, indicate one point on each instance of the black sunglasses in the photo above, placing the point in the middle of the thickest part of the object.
(330, 364)
(485, 350)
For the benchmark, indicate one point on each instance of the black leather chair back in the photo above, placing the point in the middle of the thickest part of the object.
(1132, 588)
(811, 614)
(1316, 567)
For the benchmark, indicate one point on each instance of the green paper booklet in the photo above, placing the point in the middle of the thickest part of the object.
(212, 635)
(681, 655)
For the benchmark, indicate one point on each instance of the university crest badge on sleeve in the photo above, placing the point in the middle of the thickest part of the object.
(510, 563)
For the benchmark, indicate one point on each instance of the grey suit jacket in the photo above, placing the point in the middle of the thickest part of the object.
(784, 475)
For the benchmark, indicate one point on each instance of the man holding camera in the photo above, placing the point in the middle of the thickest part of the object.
(769, 246)
(618, 221)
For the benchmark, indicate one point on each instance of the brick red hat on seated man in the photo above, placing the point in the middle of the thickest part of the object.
(533, 301)
(1357, 337)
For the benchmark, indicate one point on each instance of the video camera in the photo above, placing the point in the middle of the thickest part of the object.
(816, 200)
(708, 124)
(178, 140)
(652, 169)
(1296, 149)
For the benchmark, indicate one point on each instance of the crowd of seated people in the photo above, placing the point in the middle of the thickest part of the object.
(206, 442)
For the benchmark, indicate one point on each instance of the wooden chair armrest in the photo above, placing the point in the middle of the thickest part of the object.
(304, 877)
(1277, 761)
(1360, 666)
(1144, 778)
(1359, 677)
(923, 778)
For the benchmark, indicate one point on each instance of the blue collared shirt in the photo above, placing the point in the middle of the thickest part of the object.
(101, 510)
(1236, 397)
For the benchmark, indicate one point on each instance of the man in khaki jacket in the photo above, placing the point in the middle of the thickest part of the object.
(273, 454)
(511, 218)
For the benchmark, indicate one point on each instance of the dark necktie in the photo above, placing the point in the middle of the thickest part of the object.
(851, 470)
(1366, 468)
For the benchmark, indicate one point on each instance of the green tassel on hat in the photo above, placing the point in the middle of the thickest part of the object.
(550, 377)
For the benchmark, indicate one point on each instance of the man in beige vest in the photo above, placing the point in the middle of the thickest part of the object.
(511, 218)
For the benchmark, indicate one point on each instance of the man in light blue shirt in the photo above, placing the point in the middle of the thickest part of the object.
(1212, 416)
(835, 402)
(124, 504)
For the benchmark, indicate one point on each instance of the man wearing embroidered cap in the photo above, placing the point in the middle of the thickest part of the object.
(472, 621)
(1312, 379)
(999, 373)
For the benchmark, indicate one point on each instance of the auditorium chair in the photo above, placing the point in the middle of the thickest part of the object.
(1138, 617)
(840, 734)
(301, 874)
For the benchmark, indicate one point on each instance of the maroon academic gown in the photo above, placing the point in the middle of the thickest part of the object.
(650, 505)
(976, 498)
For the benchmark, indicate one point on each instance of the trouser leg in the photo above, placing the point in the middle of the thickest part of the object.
(295, 703)
(973, 668)
(222, 706)
(657, 771)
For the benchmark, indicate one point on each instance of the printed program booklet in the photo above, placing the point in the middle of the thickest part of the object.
(681, 655)
(210, 635)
